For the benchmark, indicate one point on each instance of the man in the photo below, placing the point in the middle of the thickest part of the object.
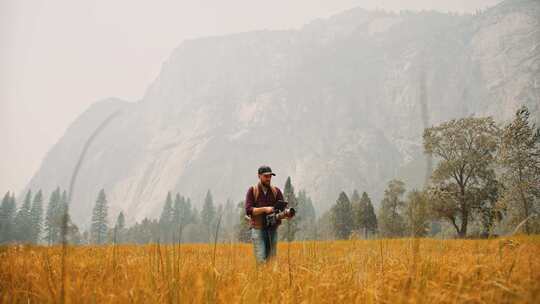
(260, 201)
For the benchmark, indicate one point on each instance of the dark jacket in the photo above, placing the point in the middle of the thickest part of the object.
(263, 200)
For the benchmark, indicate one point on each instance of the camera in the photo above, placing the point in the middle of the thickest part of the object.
(280, 212)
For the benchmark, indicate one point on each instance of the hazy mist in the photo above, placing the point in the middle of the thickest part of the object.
(59, 57)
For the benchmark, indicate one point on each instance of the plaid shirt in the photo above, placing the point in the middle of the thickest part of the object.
(263, 200)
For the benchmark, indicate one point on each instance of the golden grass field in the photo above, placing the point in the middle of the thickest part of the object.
(362, 271)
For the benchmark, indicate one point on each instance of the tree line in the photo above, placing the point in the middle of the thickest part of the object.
(30, 224)
(486, 175)
(179, 221)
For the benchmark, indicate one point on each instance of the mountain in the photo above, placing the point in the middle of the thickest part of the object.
(338, 104)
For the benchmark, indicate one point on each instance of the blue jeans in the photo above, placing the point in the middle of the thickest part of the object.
(264, 243)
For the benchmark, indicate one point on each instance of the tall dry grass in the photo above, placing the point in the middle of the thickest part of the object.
(361, 271)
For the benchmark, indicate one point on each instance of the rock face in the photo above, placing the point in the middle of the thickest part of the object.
(338, 104)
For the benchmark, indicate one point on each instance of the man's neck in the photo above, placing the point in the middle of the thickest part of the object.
(264, 187)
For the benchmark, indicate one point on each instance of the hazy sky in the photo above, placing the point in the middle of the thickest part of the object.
(57, 57)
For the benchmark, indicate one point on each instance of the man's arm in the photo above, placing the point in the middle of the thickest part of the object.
(262, 210)
(279, 195)
(251, 210)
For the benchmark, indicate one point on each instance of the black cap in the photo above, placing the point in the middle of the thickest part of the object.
(265, 170)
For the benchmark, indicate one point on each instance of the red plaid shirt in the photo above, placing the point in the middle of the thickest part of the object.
(263, 200)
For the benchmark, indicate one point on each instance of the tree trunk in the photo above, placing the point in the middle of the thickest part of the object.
(523, 199)
(464, 222)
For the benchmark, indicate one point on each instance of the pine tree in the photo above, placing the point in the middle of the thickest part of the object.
(229, 220)
(182, 216)
(64, 219)
(121, 221)
(369, 219)
(208, 212)
(342, 216)
(23, 220)
(208, 215)
(36, 214)
(358, 211)
(119, 228)
(194, 212)
(64, 203)
(305, 204)
(166, 220)
(177, 217)
(364, 215)
(289, 230)
(325, 226)
(217, 229)
(7, 214)
(197, 230)
(391, 220)
(306, 219)
(243, 233)
(52, 220)
(519, 155)
(99, 225)
(417, 213)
